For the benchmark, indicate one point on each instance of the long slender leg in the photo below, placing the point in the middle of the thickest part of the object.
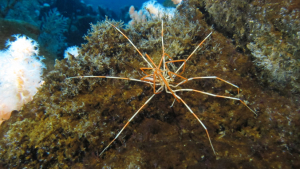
(215, 77)
(111, 77)
(209, 77)
(146, 68)
(169, 73)
(173, 66)
(173, 61)
(191, 111)
(127, 124)
(130, 43)
(193, 52)
(214, 95)
(162, 60)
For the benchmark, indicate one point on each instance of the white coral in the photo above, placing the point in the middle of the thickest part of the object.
(73, 50)
(150, 9)
(20, 74)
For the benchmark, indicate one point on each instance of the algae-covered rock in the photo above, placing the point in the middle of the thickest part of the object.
(70, 121)
(269, 30)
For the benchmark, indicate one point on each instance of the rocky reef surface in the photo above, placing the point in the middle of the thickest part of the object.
(70, 121)
(269, 29)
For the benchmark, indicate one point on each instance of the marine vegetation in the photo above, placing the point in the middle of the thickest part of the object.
(161, 78)
(70, 121)
(269, 29)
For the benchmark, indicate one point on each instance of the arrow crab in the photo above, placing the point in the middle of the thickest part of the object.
(166, 76)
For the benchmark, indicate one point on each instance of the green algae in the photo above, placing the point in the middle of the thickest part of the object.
(70, 121)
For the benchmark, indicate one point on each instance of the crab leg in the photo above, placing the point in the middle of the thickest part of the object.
(127, 124)
(130, 43)
(191, 111)
(111, 77)
(193, 52)
(214, 95)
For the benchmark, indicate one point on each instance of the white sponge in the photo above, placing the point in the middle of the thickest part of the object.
(151, 9)
(20, 74)
(73, 50)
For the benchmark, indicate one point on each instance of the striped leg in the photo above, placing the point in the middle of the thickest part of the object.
(209, 77)
(191, 111)
(214, 95)
(127, 124)
(193, 52)
(111, 77)
(131, 44)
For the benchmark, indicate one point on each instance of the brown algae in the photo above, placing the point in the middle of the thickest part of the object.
(70, 121)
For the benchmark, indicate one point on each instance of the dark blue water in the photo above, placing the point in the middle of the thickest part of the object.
(63, 23)
(115, 5)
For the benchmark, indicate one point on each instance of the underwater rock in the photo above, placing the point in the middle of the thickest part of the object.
(269, 30)
(70, 121)
(10, 27)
